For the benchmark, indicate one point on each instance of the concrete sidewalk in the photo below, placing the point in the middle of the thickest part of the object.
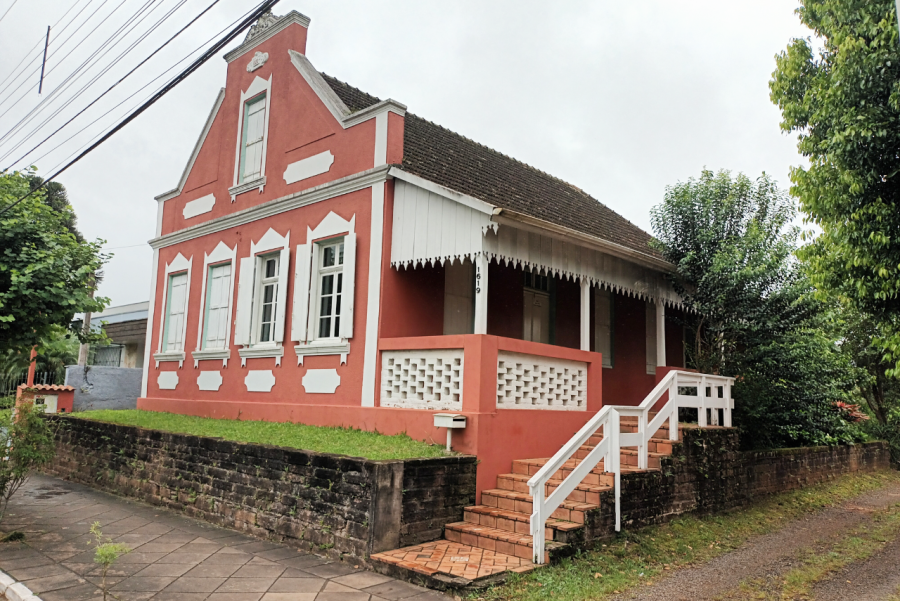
(173, 558)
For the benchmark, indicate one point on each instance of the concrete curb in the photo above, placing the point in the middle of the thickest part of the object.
(15, 591)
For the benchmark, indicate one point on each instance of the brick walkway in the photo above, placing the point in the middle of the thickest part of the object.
(456, 559)
(173, 558)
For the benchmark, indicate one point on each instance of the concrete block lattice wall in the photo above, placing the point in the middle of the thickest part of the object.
(327, 504)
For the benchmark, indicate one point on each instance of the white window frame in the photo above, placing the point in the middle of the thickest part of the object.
(246, 321)
(258, 87)
(179, 264)
(316, 290)
(305, 312)
(261, 282)
(221, 254)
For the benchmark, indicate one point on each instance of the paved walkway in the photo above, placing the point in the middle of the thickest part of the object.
(173, 558)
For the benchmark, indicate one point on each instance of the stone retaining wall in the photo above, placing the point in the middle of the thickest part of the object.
(327, 504)
(708, 472)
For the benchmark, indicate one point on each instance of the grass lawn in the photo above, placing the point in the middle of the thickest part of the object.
(343, 441)
(636, 558)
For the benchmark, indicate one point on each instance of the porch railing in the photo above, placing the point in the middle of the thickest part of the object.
(711, 395)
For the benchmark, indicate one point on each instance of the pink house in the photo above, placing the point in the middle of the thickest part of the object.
(329, 258)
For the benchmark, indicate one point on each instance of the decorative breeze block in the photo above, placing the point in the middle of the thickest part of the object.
(422, 379)
(534, 382)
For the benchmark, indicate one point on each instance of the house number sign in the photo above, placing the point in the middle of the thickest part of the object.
(477, 280)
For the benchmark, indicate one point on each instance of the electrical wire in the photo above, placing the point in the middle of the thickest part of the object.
(212, 51)
(7, 10)
(132, 95)
(123, 78)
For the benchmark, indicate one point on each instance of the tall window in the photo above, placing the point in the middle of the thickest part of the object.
(175, 306)
(252, 143)
(331, 283)
(218, 299)
(267, 298)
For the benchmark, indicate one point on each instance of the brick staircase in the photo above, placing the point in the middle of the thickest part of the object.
(494, 538)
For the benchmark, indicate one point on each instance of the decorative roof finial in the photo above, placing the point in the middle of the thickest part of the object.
(266, 20)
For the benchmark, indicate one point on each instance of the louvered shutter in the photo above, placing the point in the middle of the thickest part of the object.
(301, 294)
(283, 270)
(650, 312)
(349, 281)
(244, 309)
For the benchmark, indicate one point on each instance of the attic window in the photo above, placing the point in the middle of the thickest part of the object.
(253, 139)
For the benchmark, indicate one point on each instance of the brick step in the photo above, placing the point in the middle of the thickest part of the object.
(520, 523)
(500, 541)
(654, 445)
(522, 503)
(583, 493)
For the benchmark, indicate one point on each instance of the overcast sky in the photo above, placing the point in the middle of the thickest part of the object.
(620, 99)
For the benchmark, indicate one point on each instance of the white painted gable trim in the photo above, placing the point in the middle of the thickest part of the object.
(258, 86)
(272, 30)
(271, 240)
(308, 167)
(332, 225)
(220, 254)
(201, 205)
(469, 201)
(333, 103)
(200, 140)
(178, 264)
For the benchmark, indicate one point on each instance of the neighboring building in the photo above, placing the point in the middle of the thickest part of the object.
(126, 328)
(329, 258)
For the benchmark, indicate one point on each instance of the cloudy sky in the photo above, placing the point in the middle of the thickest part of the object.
(620, 99)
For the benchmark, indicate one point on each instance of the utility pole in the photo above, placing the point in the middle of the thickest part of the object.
(86, 329)
(44, 63)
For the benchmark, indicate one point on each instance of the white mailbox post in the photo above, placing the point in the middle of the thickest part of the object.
(449, 421)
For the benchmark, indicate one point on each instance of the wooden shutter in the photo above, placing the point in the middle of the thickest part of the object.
(244, 309)
(603, 325)
(650, 312)
(281, 298)
(348, 287)
(301, 294)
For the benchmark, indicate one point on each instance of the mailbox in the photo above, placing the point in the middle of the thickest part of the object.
(449, 421)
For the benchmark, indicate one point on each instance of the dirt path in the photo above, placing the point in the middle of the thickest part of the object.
(774, 554)
(876, 579)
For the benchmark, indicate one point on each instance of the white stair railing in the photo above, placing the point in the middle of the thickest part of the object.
(712, 393)
(607, 450)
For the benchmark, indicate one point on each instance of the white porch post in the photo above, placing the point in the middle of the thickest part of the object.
(660, 333)
(481, 293)
(585, 314)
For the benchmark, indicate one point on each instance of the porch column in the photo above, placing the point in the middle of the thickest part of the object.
(481, 293)
(585, 314)
(660, 333)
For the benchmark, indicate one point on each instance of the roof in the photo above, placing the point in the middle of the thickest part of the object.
(131, 312)
(52, 387)
(456, 162)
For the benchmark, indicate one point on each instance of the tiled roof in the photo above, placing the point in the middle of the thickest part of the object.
(53, 387)
(456, 162)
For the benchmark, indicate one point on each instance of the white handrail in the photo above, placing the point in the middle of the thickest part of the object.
(609, 449)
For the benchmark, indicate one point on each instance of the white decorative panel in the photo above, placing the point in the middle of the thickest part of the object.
(321, 381)
(308, 167)
(209, 380)
(259, 380)
(202, 205)
(167, 380)
(422, 379)
(535, 382)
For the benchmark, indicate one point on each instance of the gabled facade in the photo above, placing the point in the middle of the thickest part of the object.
(329, 258)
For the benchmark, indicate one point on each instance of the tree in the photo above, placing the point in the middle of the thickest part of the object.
(752, 312)
(57, 198)
(46, 274)
(844, 103)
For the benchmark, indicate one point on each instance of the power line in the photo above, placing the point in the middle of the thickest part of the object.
(262, 8)
(123, 78)
(7, 10)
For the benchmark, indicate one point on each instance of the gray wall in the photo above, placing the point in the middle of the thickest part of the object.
(99, 387)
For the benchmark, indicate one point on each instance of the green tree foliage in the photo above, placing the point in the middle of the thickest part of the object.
(28, 444)
(56, 197)
(753, 314)
(46, 274)
(844, 102)
(58, 349)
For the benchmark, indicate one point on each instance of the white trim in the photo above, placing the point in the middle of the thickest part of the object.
(259, 59)
(209, 354)
(469, 201)
(209, 380)
(178, 264)
(334, 104)
(270, 241)
(254, 184)
(308, 167)
(200, 140)
(259, 380)
(277, 27)
(198, 206)
(321, 347)
(320, 381)
(254, 352)
(258, 86)
(586, 314)
(373, 305)
(169, 356)
(167, 380)
(151, 304)
(481, 293)
(660, 334)
(220, 254)
(381, 138)
(290, 202)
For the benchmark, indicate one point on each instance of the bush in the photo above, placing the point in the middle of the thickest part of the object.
(29, 444)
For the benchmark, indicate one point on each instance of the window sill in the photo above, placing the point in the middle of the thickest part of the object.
(169, 356)
(259, 182)
(223, 354)
(323, 347)
(255, 352)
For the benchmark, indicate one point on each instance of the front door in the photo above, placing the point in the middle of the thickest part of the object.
(537, 308)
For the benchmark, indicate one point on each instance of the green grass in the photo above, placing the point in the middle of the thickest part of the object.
(637, 558)
(343, 441)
